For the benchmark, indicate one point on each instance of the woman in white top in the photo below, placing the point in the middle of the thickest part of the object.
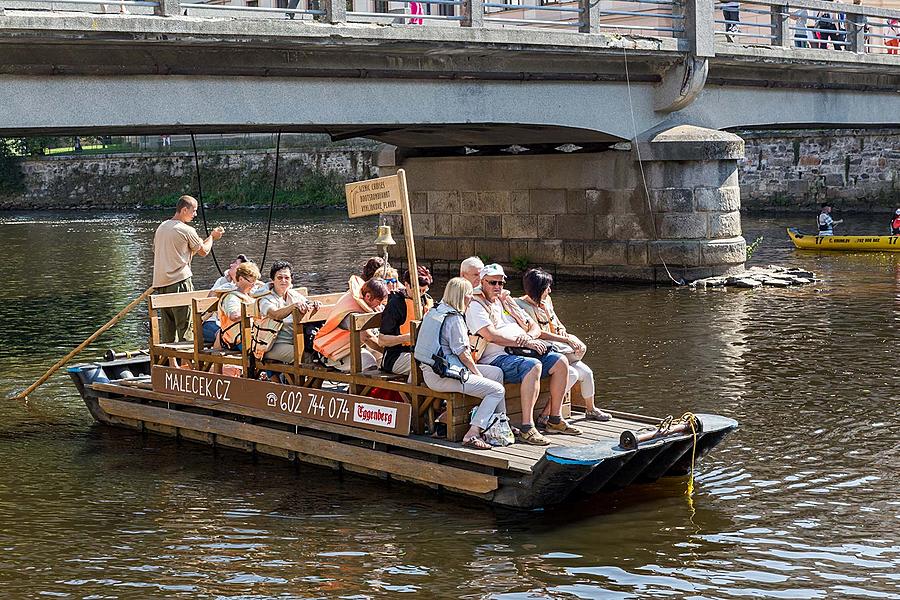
(279, 305)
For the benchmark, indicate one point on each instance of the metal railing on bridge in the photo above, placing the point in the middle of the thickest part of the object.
(803, 25)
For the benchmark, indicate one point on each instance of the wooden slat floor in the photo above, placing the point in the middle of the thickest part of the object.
(518, 457)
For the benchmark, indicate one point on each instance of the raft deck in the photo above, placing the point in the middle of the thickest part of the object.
(519, 476)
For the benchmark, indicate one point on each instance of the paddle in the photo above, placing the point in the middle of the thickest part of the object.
(84, 344)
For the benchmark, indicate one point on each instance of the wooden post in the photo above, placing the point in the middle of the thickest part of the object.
(410, 245)
(85, 344)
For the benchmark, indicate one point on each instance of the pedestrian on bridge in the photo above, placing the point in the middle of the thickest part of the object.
(174, 245)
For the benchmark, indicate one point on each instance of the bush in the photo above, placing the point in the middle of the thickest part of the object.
(12, 180)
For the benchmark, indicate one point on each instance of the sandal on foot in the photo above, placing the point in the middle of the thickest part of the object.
(532, 437)
(476, 443)
(562, 428)
(596, 414)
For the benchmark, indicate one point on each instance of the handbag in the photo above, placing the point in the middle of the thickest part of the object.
(498, 432)
(532, 353)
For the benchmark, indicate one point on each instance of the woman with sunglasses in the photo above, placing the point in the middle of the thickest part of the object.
(245, 277)
(537, 304)
(394, 335)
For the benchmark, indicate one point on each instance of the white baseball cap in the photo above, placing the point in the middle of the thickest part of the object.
(897, 212)
(491, 270)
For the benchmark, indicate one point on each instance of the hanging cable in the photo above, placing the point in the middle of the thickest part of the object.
(212, 252)
(637, 149)
(272, 201)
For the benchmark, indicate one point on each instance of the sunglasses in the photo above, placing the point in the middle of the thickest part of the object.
(391, 280)
(497, 283)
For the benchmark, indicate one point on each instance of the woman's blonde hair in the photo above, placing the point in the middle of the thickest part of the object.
(455, 293)
(247, 269)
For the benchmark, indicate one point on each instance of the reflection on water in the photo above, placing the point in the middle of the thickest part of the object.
(800, 502)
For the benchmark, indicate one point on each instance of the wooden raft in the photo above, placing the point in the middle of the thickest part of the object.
(416, 458)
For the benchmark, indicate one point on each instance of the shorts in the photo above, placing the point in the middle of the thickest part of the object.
(515, 368)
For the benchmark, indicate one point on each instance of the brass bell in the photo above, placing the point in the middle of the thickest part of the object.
(384, 237)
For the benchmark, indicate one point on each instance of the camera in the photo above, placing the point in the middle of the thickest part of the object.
(443, 368)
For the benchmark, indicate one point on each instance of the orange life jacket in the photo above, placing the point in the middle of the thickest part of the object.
(427, 304)
(230, 332)
(332, 341)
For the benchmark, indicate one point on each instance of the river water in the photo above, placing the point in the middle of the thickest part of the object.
(801, 502)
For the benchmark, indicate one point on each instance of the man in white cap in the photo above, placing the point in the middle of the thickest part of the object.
(509, 332)
(895, 223)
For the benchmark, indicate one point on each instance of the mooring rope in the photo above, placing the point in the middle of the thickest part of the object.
(272, 201)
(212, 252)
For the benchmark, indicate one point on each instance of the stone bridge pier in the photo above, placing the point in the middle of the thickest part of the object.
(585, 215)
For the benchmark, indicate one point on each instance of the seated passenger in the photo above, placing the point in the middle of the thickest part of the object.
(245, 278)
(390, 276)
(333, 339)
(274, 334)
(470, 269)
(444, 333)
(398, 314)
(537, 304)
(368, 272)
(507, 330)
(226, 281)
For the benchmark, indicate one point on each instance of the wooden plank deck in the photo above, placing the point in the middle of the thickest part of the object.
(519, 458)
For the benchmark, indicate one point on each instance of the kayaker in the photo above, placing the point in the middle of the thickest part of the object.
(825, 222)
(895, 223)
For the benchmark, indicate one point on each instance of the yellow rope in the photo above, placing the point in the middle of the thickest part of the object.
(691, 419)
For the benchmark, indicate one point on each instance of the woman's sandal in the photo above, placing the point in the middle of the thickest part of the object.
(476, 443)
(597, 415)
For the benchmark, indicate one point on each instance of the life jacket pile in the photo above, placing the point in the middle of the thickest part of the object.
(331, 341)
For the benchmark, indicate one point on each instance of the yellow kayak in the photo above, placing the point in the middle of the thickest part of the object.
(854, 243)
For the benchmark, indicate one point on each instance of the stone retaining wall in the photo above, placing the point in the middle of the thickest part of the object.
(136, 180)
(858, 170)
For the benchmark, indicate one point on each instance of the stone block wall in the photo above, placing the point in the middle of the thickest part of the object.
(858, 170)
(578, 215)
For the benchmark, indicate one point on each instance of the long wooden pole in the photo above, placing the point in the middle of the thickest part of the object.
(85, 344)
(410, 245)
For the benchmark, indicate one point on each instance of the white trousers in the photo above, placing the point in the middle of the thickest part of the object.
(489, 388)
(583, 374)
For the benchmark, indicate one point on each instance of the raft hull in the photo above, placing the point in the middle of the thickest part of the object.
(520, 477)
(845, 243)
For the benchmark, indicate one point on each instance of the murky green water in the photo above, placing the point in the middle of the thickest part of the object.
(801, 502)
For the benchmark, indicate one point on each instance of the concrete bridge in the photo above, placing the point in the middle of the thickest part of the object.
(452, 93)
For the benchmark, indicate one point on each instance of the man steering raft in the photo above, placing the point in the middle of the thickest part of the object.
(174, 245)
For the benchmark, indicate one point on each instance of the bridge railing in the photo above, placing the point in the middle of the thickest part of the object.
(803, 25)
(809, 25)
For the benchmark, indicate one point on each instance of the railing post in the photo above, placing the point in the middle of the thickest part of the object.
(473, 13)
(699, 28)
(168, 8)
(590, 16)
(856, 33)
(781, 25)
(335, 11)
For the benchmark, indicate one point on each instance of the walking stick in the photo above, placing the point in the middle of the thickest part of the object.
(84, 344)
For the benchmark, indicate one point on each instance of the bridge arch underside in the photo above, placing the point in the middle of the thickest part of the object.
(424, 114)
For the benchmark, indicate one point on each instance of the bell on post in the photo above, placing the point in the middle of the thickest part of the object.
(384, 238)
